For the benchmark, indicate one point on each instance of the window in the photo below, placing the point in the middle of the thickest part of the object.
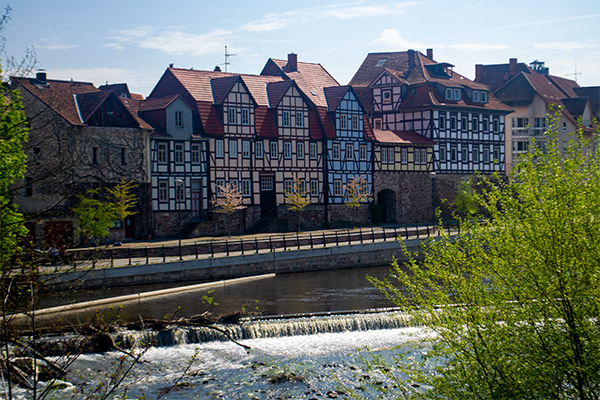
(274, 150)
(285, 118)
(387, 97)
(378, 123)
(219, 183)
(404, 156)
(455, 94)
(337, 188)
(423, 156)
(299, 119)
(380, 62)
(288, 186)
(246, 188)
(343, 121)
(219, 149)
(246, 149)
(564, 128)
(233, 153)
(475, 123)
(384, 155)
(287, 150)
(28, 187)
(453, 154)
(245, 116)
(362, 152)
(464, 124)
(349, 151)
(195, 154)
(314, 188)
(442, 154)
(484, 97)
(123, 156)
(355, 122)
(266, 183)
(162, 153)
(390, 155)
(539, 122)
(178, 153)
(486, 125)
(520, 122)
(497, 155)
(300, 150)
(231, 112)
(234, 183)
(496, 126)
(163, 191)
(313, 151)
(453, 122)
(336, 151)
(179, 192)
(417, 154)
(178, 119)
(442, 122)
(465, 154)
(521, 145)
(475, 155)
(476, 96)
(448, 94)
(95, 155)
(258, 149)
(486, 155)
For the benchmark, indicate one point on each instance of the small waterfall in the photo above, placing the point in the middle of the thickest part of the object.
(267, 327)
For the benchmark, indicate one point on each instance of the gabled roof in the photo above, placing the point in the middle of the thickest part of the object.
(334, 96)
(592, 93)
(133, 106)
(88, 103)
(277, 90)
(496, 75)
(211, 121)
(58, 95)
(576, 106)
(119, 89)
(565, 85)
(222, 86)
(327, 124)
(157, 103)
(311, 78)
(401, 137)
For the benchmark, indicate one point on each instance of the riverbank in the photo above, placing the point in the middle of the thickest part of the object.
(278, 261)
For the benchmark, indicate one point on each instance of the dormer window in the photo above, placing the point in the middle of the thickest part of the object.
(480, 96)
(178, 119)
(452, 94)
(381, 62)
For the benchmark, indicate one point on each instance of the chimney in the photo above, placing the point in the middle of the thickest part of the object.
(292, 63)
(478, 72)
(41, 76)
(217, 69)
(512, 67)
(411, 58)
(430, 53)
(171, 65)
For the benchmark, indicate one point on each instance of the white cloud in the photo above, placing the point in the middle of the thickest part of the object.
(171, 41)
(139, 81)
(564, 46)
(56, 46)
(275, 21)
(392, 37)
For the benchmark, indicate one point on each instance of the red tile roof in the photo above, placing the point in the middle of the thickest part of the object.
(211, 120)
(157, 103)
(326, 123)
(265, 123)
(58, 95)
(496, 75)
(592, 93)
(401, 137)
(334, 96)
(133, 106)
(277, 90)
(88, 103)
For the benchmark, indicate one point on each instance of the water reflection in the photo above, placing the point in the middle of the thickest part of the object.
(307, 292)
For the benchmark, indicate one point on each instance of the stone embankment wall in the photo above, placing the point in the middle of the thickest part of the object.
(211, 269)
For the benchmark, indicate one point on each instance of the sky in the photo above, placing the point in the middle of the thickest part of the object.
(134, 41)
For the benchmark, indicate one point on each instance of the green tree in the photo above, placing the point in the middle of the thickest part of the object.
(357, 192)
(96, 216)
(297, 198)
(514, 301)
(464, 203)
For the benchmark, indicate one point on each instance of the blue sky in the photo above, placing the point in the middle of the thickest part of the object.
(134, 41)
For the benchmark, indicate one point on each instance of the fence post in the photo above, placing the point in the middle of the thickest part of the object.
(256, 244)
(284, 243)
(227, 247)
(298, 240)
(373, 234)
(361, 236)
(196, 249)
(164, 255)
(112, 257)
(428, 230)
(312, 245)
(384, 234)
(406, 231)
(242, 244)
(337, 240)
(271, 243)
(147, 260)
(324, 241)
(417, 226)
(212, 250)
(349, 239)
(395, 233)
(129, 254)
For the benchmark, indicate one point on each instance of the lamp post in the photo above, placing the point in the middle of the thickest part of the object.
(178, 188)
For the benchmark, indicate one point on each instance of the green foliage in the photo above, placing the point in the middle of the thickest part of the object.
(297, 198)
(13, 163)
(357, 192)
(515, 300)
(464, 203)
(95, 216)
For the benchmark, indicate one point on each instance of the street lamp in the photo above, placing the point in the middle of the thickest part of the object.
(178, 190)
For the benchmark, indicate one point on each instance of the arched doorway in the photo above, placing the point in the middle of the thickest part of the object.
(387, 200)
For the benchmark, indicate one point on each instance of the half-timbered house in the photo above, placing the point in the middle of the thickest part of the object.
(178, 165)
(409, 91)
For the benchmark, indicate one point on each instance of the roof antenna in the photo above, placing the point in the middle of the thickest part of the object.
(227, 55)
(575, 73)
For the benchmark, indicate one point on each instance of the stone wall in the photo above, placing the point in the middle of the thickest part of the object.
(412, 196)
(445, 188)
(312, 217)
(340, 215)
